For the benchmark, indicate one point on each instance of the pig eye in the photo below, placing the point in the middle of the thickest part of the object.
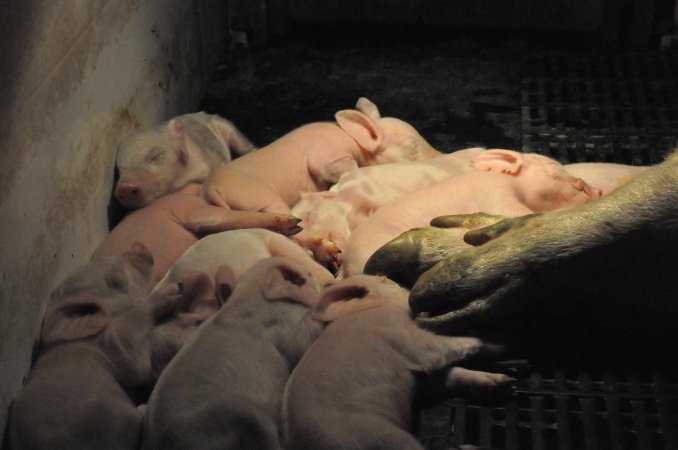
(155, 156)
(117, 280)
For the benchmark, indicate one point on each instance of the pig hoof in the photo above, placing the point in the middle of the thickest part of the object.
(326, 252)
(289, 225)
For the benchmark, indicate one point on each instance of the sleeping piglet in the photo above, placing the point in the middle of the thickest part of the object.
(223, 258)
(94, 348)
(407, 256)
(174, 222)
(504, 182)
(329, 216)
(354, 387)
(223, 390)
(313, 157)
(161, 160)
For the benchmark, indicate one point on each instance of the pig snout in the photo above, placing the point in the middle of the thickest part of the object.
(129, 194)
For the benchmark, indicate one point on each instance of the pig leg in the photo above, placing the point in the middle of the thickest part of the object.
(477, 385)
(290, 249)
(559, 256)
(238, 191)
(213, 219)
(406, 257)
(428, 352)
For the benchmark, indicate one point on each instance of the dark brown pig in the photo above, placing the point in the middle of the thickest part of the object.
(406, 257)
(171, 224)
(609, 263)
(95, 347)
(163, 159)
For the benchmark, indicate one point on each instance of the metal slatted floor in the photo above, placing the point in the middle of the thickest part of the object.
(615, 108)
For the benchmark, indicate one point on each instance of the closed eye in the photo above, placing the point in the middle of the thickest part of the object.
(155, 156)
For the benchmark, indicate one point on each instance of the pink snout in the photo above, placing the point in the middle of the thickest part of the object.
(129, 194)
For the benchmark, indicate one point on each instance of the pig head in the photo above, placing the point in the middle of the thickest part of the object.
(382, 139)
(223, 389)
(94, 350)
(606, 265)
(162, 160)
(311, 158)
(354, 387)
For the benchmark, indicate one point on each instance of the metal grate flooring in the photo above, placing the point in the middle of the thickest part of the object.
(576, 108)
(614, 108)
(556, 410)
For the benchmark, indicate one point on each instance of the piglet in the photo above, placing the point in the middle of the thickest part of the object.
(328, 217)
(223, 258)
(354, 387)
(223, 390)
(505, 182)
(94, 349)
(161, 160)
(407, 256)
(311, 158)
(174, 222)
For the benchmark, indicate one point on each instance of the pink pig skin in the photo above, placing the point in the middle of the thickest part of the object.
(328, 217)
(354, 387)
(223, 258)
(170, 225)
(163, 159)
(605, 176)
(507, 183)
(224, 389)
(94, 347)
(310, 159)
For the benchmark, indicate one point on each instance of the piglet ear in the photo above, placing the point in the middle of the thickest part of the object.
(197, 296)
(366, 132)
(340, 299)
(76, 318)
(139, 249)
(368, 108)
(501, 161)
(225, 283)
(287, 281)
(176, 127)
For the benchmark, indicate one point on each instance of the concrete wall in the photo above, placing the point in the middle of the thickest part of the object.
(78, 74)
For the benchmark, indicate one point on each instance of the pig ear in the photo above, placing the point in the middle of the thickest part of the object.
(366, 132)
(368, 108)
(197, 296)
(225, 283)
(288, 282)
(501, 161)
(75, 319)
(176, 127)
(139, 249)
(336, 301)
